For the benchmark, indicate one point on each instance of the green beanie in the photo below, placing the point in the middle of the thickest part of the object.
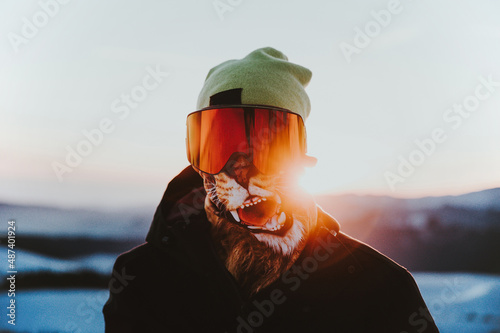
(264, 77)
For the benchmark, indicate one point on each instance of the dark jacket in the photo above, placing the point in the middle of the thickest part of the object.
(175, 282)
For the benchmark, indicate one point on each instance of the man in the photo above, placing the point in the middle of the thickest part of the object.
(235, 247)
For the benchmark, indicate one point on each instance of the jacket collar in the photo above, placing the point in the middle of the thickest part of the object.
(180, 228)
(169, 214)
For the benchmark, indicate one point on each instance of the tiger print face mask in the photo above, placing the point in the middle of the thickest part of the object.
(269, 207)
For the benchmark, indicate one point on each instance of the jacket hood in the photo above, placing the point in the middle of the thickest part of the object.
(181, 229)
(182, 202)
(180, 225)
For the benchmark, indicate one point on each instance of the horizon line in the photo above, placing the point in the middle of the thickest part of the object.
(144, 206)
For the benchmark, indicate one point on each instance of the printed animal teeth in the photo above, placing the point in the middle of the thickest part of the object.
(272, 225)
(278, 199)
(235, 215)
(276, 228)
(274, 222)
(251, 201)
(256, 200)
(253, 227)
(282, 218)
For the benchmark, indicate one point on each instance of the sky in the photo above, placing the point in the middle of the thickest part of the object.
(405, 94)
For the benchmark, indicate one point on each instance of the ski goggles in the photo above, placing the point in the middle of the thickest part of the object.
(271, 138)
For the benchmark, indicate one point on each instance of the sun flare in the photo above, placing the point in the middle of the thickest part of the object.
(313, 181)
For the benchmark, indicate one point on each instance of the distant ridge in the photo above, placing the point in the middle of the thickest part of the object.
(350, 208)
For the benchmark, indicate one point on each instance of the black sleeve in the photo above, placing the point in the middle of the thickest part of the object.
(397, 305)
(123, 312)
(144, 295)
(388, 295)
(419, 318)
(405, 310)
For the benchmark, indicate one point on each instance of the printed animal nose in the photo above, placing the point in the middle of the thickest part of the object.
(241, 169)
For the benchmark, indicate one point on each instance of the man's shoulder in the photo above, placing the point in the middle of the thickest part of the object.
(138, 252)
(369, 257)
(347, 250)
(354, 264)
(378, 269)
(355, 271)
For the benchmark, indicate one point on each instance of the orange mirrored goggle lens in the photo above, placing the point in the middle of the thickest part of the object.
(269, 137)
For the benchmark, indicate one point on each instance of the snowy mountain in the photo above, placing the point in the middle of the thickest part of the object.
(476, 210)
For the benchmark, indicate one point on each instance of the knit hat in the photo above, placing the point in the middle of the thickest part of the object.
(264, 77)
